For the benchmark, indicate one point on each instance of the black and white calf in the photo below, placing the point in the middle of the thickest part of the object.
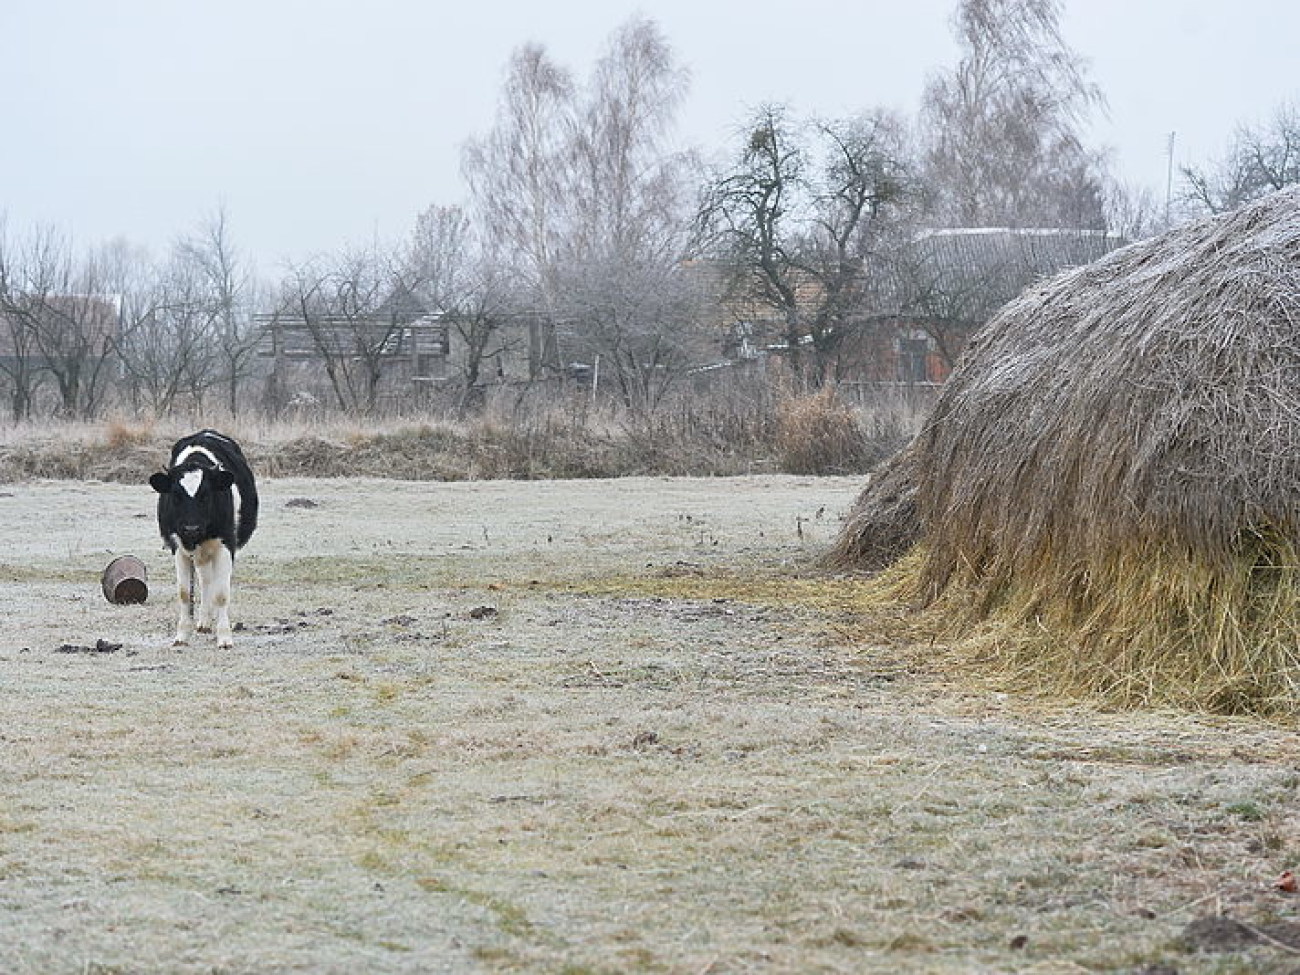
(207, 509)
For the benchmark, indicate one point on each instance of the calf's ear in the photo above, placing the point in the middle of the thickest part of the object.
(162, 483)
(221, 479)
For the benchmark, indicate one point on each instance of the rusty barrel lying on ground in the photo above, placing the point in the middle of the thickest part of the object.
(125, 580)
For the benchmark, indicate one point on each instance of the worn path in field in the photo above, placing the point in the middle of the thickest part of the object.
(581, 726)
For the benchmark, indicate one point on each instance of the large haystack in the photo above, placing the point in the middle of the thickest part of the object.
(1108, 490)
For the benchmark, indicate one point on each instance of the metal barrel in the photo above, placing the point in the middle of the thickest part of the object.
(125, 580)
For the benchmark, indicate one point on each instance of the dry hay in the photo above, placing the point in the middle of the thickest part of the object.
(1108, 490)
(883, 523)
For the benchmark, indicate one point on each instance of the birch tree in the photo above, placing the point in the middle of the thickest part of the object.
(581, 182)
(1002, 128)
(631, 213)
(227, 288)
(517, 172)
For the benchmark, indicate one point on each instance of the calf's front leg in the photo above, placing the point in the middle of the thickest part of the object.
(184, 587)
(216, 598)
(215, 565)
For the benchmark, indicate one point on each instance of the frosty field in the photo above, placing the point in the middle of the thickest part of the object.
(583, 726)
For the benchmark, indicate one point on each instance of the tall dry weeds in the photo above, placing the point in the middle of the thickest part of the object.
(818, 433)
(728, 430)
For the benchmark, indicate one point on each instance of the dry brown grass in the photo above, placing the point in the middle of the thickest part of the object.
(722, 433)
(120, 433)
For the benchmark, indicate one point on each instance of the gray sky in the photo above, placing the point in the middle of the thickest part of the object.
(319, 124)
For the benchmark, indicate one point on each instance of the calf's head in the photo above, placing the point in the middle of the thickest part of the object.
(195, 500)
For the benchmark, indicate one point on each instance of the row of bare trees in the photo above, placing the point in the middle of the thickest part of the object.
(813, 215)
(578, 184)
(77, 328)
(585, 219)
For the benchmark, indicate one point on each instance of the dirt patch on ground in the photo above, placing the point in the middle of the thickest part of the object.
(582, 727)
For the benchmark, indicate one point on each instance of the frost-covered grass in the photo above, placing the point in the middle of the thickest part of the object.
(583, 726)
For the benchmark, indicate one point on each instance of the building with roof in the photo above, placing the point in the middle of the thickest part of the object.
(915, 307)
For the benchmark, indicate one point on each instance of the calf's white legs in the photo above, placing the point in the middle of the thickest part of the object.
(215, 566)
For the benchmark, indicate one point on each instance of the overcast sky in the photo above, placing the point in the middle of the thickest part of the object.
(319, 124)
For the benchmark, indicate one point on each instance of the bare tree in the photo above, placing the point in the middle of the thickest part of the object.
(1259, 160)
(169, 337)
(349, 308)
(862, 186)
(575, 179)
(19, 356)
(749, 216)
(63, 319)
(517, 172)
(468, 286)
(800, 215)
(1133, 212)
(626, 186)
(81, 321)
(639, 323)
(1003, 127)
(145, 347)
(227, 289)
(630, 213)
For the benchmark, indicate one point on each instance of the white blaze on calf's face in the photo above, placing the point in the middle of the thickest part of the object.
(191, 481)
